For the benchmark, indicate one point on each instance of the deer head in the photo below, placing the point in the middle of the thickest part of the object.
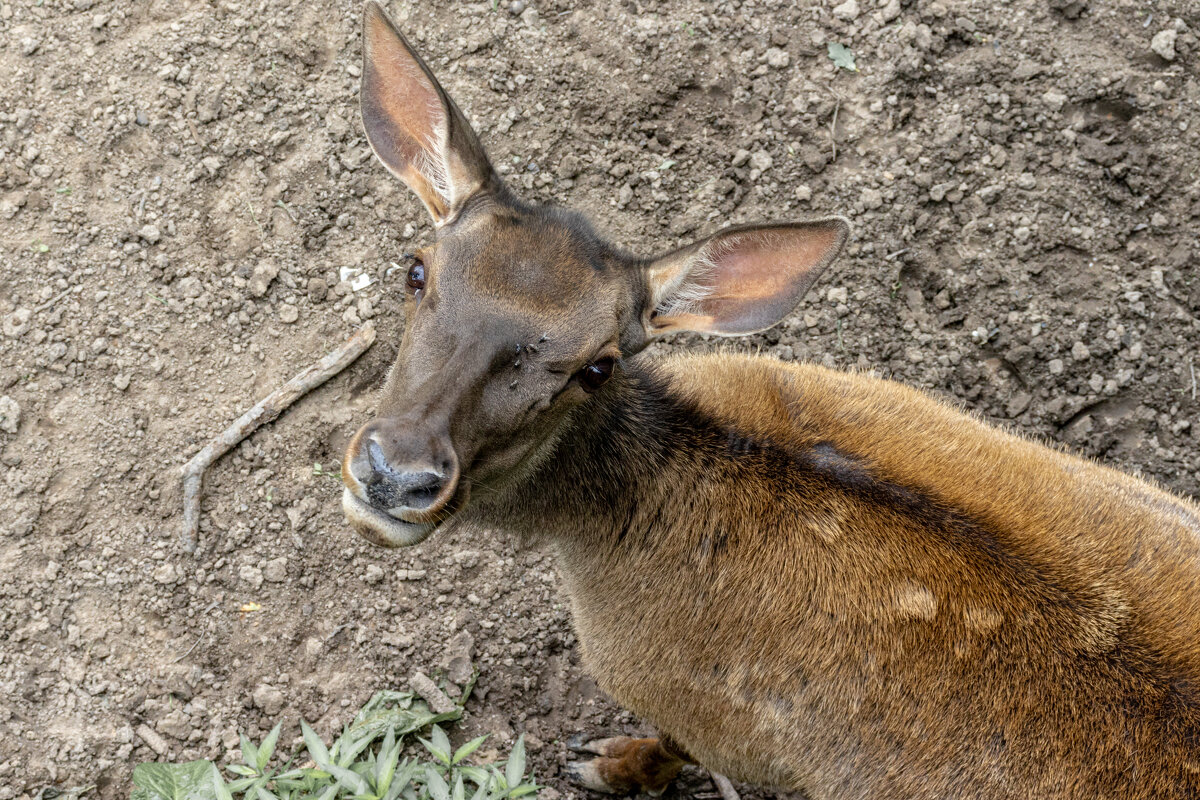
(518, 316)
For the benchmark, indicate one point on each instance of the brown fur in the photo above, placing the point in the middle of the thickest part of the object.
(808, 579)
(926, 606)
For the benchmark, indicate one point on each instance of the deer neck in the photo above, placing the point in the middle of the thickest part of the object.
(616, 471)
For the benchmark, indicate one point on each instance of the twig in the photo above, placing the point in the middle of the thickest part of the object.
(54, 299)
(203, 634)
(263, 412)
(724, 786)
(894, 255)
(833, 124)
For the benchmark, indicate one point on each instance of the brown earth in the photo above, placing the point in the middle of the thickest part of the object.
(182, 184)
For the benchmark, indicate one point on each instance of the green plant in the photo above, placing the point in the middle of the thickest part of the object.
(842, 56)
(364, 763)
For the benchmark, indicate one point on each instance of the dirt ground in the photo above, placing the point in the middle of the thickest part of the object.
(185, 193)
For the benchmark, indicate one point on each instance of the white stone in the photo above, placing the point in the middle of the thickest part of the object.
(10, 414)
(847, 11)
(1163, 43)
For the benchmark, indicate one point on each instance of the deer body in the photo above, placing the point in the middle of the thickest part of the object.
(804, 578)
(834, 583)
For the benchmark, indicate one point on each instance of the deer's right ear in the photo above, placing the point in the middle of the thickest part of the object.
(414, 127)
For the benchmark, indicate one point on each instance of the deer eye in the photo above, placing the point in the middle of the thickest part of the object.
(596, 374)
(416, 275)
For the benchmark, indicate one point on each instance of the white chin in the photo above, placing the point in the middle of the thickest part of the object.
(380, 528)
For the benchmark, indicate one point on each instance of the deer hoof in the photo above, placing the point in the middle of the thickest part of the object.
(587, 775)
(580, 743)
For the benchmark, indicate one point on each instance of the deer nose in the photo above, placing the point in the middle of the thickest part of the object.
(390, 488)
(384, 474)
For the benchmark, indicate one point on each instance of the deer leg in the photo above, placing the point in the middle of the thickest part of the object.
(626, 765)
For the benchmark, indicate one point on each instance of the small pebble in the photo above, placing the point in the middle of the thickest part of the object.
(288, 313)
(847, 11)
(10, 414)
(1163, 43)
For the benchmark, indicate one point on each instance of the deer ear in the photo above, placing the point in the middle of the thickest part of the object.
(414, 127)
(740, 280)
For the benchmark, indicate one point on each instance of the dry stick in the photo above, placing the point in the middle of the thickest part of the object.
(724, 786)
(833, 124)
(266, 410)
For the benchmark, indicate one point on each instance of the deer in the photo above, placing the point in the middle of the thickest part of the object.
(802, 578)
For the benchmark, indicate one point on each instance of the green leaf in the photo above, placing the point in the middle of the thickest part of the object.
(351, 780)
(249, 752)
(468, 748)
(220, 790)
(190, 781)
(476, 775)
(523, 789)
(436, 785)
(842, 56)
(458, 793)
(267, 748)
(316, 748)
(514, 770)
(441, 755)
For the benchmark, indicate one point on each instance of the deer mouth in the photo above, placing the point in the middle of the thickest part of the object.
(381, 528)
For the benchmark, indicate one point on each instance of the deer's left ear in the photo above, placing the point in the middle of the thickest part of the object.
(414, 127)
(740, 280)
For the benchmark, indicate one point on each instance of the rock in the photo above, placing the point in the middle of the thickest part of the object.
(778, 57)
(837, 294)
(456, 660)
(268, 699)
(803, 193)
(252, 575)
(761, 160)
(29, 46)
(275, 570)
(121, 381)
(871, 198)
(303, 511)
(1054, 100)
(1017, 405)
(317, 290)
(1055, 365)
(10, 414)
(438, 702)
(847, 11)
(890, 11)
(261, 278)
(16, 323)
(150, 233)
(1080, 352)
(740, 158)
(165, 574)
(516, 7)
(190, 287)
(288, 313)
(467, 559)
(152, 739)
(1163, 43)
(373, 574)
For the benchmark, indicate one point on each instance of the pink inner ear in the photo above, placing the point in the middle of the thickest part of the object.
(754, 278)
(402, 112)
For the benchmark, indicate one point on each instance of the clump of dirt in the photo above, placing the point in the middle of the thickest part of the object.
(188, 201)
